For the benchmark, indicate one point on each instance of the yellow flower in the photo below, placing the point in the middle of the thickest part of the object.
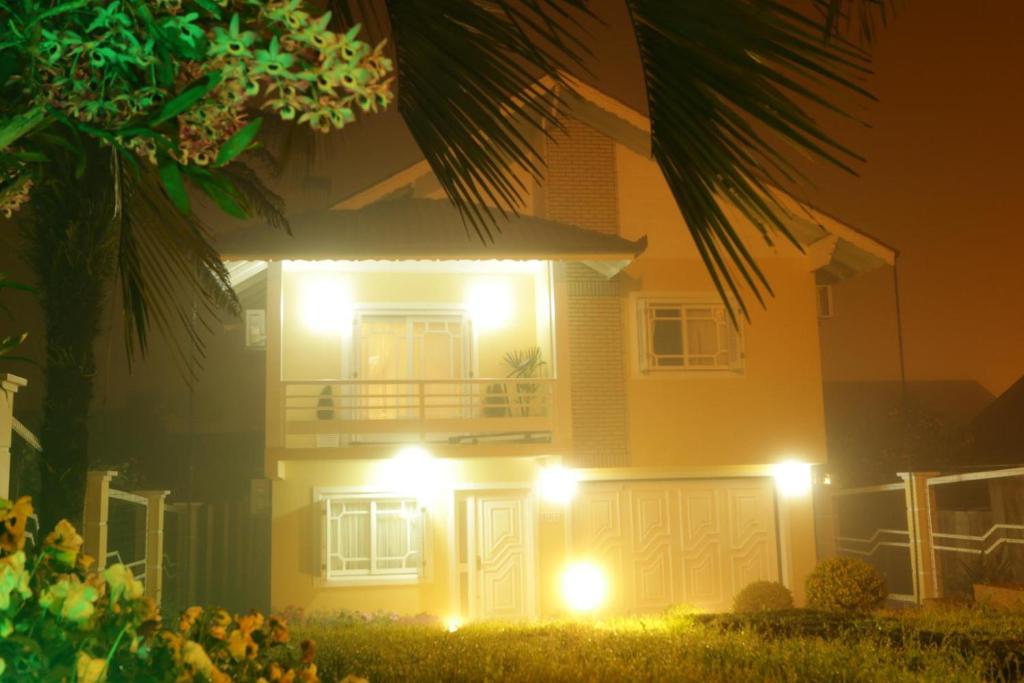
(196, 658)
(90, 669)
(189, 618)
(70, 599)
(219, 624)
(64, 543)
(122, 583)
(13, 517)
(13, 577)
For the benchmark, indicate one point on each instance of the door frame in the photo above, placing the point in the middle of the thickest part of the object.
(468, 494)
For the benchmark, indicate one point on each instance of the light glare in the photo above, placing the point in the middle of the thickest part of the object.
(327, 306)
(453, 624)
(557, 484)
(489, 304)
(584, 586)
(792, 478)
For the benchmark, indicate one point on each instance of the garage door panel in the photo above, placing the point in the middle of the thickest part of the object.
(652, 548)
(668, 542)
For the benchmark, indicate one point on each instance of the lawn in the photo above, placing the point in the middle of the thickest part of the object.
(796, 645)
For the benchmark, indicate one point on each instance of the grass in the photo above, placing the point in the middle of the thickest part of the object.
(797, 645)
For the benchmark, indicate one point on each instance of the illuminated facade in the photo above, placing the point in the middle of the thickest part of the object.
(561, 419)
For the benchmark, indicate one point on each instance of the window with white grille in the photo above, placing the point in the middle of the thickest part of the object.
(372, 536)
(683, 335)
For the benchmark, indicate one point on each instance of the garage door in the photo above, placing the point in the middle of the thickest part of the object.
(663, 543)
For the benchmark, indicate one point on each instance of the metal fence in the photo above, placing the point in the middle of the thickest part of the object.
(936, 535)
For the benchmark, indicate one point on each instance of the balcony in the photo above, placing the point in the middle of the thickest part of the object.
(464, 412)
(458, 353)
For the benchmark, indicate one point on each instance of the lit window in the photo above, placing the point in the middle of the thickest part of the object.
(377, 537)
(679, 335)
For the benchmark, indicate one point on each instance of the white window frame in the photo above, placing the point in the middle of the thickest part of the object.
(644, 303)
(373, 575)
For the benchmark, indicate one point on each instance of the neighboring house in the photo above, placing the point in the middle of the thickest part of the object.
(431, 397)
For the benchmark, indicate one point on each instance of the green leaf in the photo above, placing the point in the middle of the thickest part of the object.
(238, 142)
(187, 98)
(17, 126)
(170, 176)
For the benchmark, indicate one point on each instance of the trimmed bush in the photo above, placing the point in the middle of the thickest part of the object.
(845, 583)
(763, 596)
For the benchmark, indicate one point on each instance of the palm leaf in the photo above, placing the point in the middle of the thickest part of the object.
(856, 18)
(726, 85)
(468, 81)
(171, 278)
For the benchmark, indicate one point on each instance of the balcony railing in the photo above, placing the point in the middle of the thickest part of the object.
(356, 412)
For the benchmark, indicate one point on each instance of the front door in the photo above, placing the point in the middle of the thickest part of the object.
(503, 582)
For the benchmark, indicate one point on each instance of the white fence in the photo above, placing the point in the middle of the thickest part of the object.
(936, 535)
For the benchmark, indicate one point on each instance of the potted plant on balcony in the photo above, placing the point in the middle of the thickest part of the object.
(527, 363)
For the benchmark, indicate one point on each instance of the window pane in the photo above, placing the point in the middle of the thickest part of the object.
(702, 337)
(667, 337)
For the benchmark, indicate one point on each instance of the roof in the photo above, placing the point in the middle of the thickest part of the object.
(396, 229)
(1000, 426)
(840, 250)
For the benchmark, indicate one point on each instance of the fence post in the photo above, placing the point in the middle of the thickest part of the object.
(97, 511)
(922, 559)
(9, 385)
(154, 542)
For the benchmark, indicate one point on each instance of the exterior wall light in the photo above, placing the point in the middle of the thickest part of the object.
(413, 471)
(490, 304)
(326, 306)
(792, 478)
(584, 587)
(452, 624)
(557, 485)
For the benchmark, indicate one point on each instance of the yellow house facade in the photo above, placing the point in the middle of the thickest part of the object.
(559, 418)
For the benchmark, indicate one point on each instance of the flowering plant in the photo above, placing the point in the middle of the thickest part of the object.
(61, 621)
(172, 81)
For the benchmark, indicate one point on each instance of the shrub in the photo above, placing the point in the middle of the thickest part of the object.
(59, 621)
(845, 583)
(763, 596)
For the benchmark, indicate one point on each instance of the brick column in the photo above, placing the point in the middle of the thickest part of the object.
(154, 542)
(94, 531)
(919, 514)
(9, 385)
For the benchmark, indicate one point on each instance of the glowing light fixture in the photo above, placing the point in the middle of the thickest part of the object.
(327, 306)
(792, 478)
(557, 484)
(584, 586)
(489, 304)
(412, 472)
(453, 624)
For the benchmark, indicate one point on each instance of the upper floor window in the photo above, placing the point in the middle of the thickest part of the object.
(372, 537)
(687, 334)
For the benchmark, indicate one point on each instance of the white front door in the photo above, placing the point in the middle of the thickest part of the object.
(502, 585)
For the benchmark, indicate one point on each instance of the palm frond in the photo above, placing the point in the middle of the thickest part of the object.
(171, 278)
(468, 77)
(857, 19)
(728, 83)
(261, 200)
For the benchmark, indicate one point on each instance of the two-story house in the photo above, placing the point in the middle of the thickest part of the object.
(563, 417)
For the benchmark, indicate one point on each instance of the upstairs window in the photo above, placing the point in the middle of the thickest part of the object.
(683, 335)
(369, 537)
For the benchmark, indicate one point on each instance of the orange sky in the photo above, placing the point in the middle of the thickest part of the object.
(944, 180)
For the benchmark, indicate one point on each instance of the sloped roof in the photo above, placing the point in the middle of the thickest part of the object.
(1000, 426)
(840, 250)
(421, 229)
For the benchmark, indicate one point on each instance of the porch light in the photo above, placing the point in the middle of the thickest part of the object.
(489, 304)
(413, 471)
(792, 478)
(557, 485)
(327, 306)
(584, 586)
(452, 624)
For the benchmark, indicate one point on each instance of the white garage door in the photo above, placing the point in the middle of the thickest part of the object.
(665, 543)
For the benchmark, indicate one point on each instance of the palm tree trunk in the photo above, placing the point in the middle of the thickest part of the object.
(70, 244)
